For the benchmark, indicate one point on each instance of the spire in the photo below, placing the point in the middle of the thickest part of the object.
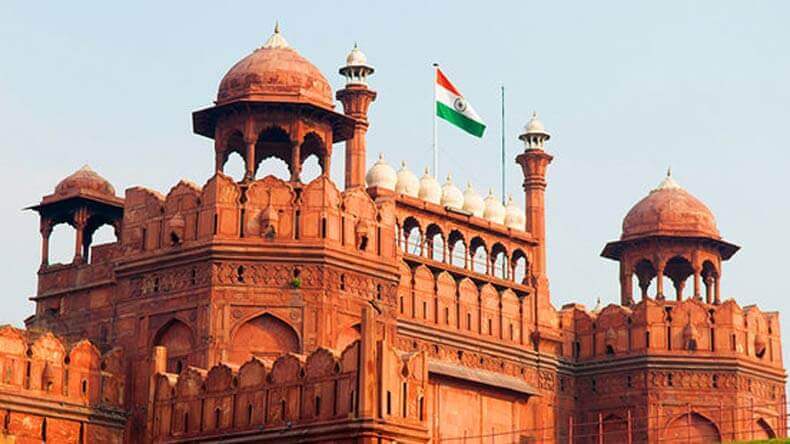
(356, 70)
(535, 134)
(276, 40)
(668, 183)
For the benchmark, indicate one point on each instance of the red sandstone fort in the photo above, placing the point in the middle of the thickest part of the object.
(392, 310)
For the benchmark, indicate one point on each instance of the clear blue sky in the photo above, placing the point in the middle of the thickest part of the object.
(626, 88)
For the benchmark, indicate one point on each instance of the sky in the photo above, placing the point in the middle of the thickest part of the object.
(627, 89)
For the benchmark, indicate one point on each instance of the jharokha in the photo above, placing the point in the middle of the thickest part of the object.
(392, 309)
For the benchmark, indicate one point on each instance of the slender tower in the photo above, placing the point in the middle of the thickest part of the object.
(356, 97)
(534, 161)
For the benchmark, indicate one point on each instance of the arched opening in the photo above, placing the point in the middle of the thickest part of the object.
(456, 249)
(499, 262)
(519, 264)
(478, 255)
(264, 336)
(644, 272)
(434, 241)
(176, 336)
(273, 166)
(273, 142)
(347, 336)
(61, 244)
(763, 431)
(313, 146)
(98, 232)
(234, 166)
(678, 270)
(412, 236)
(692, 428)
(311, 169)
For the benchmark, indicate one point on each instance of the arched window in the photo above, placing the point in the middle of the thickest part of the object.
(644, 273)
(456, 249)
(434, 241)
(412, 236)
(273, 166)
(479, 255)
(520, 265)
(499, 261)
(61, 244)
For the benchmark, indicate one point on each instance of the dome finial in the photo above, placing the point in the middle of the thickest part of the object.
(669, 171)
(276, 40)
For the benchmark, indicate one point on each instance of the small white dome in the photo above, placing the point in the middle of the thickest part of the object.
(514, 216)
(429, 188)
(356, 57)
(473, 202)
(407, 182)
(381, 175)
(451, 196)
(494, 210)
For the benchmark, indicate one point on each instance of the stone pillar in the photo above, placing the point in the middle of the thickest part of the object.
(709, 289)
(679, 286)
(46, 232)
(296, 161)
(249, 159)
(660, 283)
(626, 286)
(697, 284)
(366, 393)
(80, 222)
(356, 99)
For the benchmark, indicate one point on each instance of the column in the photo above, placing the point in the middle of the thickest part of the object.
(717, 294)
(80, 221)
(660, 283)
(249, 159)
(709, 289)
(46, 231)
(697, 284)
(626, 286)
(296, 161)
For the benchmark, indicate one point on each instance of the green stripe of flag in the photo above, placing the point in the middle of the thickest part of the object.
(472, 127)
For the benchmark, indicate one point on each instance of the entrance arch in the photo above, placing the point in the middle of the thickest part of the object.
(264, 336)
(692, 428)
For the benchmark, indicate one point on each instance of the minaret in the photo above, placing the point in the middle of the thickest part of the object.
(356, 97)
(534, 162)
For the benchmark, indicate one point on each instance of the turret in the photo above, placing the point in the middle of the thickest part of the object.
(534, 161)
(356, 97)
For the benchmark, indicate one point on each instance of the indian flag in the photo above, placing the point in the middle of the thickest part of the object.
(453, 107)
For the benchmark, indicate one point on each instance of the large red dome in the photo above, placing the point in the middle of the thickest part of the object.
(669, 210)
(275, 73)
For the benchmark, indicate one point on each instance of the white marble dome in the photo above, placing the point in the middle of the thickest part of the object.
(429, 188)
(514, 216)
(381, 175)
(473, 202)
(494, 210)
(452, 196)
(407, 182)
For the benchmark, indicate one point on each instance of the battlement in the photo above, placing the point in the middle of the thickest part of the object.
(323, 390)
(681, 329)
(81, 390)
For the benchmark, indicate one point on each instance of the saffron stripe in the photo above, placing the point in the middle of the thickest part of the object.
(461, 121)
(445, 83)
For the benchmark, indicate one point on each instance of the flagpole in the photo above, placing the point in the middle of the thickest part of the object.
(503, 144)
(435, 127)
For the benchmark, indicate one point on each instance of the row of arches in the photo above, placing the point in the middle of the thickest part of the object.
(274, 142)
(234, 167)
(645, 278)
(263, 336)
(67, 238)
(453, 249)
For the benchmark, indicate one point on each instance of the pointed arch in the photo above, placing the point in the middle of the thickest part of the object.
(265, 336)
(692, 427)
(177, 337)
(347, 336)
